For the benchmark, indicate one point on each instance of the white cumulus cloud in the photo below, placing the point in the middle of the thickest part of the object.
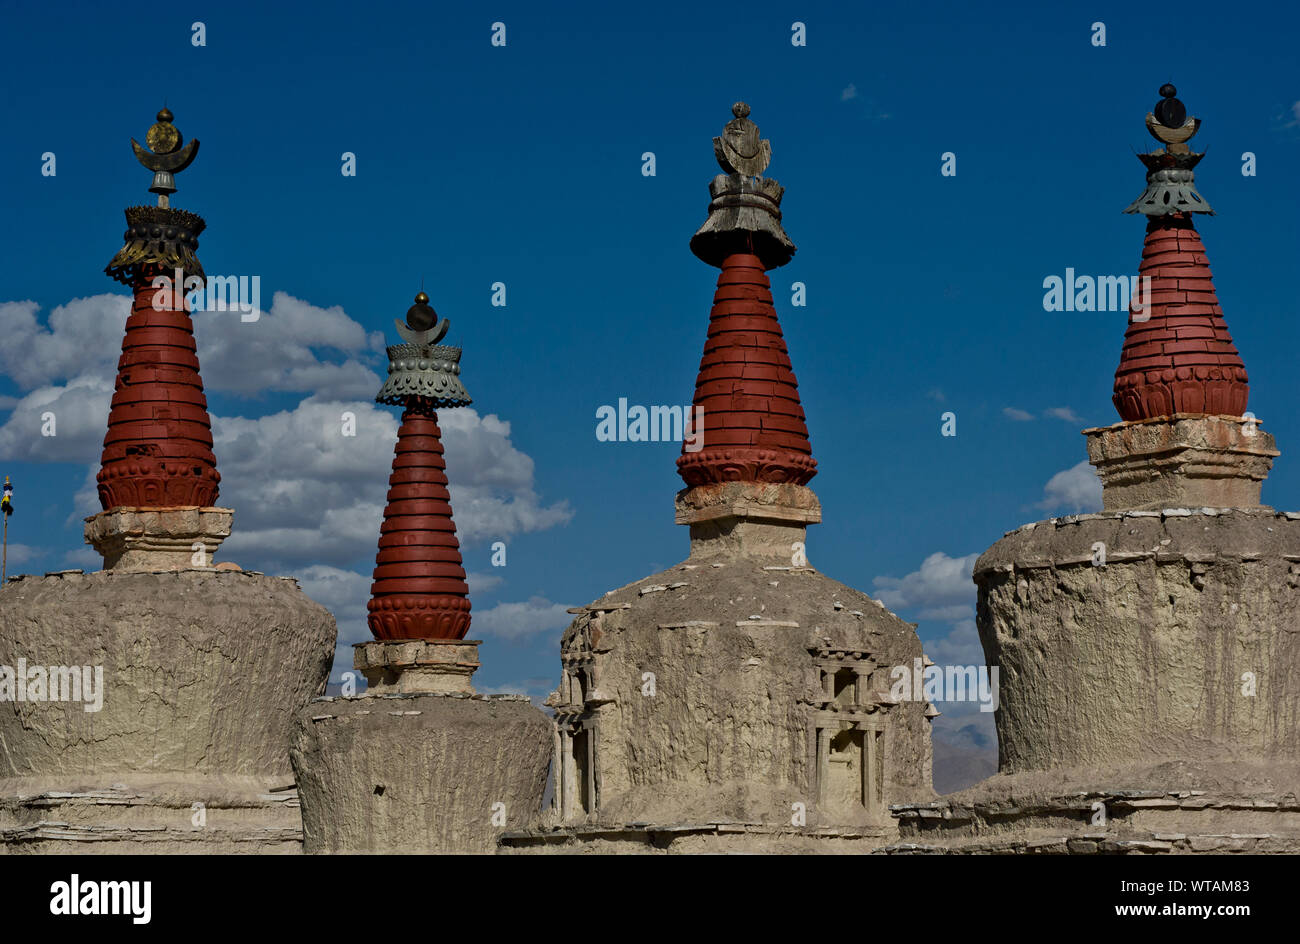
(1076, 488)
(517, 621)
(304, 492)
(83, 338)
(283, 350)
(941, 589)
(59, 423)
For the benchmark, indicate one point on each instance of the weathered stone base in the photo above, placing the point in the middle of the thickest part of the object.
(1166, 809)
(424, 773)
(693, 839)
(201, 816)
(153, 539)
(1144, 636)
(202, 672)
(1181, 461)
(740, 690)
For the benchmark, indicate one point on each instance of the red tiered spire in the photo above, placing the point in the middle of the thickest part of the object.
(1181, 359)
(419, 590)
(1178, 356)
(753, 424)
(753, 421)
(158, 449)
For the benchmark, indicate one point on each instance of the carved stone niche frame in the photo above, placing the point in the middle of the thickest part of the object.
(577, 726)
(846, 727)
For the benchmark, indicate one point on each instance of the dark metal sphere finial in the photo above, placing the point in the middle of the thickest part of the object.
(165, 114)
(1171, 185)
(1169, 111)
(421, 316)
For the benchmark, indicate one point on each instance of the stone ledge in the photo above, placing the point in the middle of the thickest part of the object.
(158, 539)
(1163, 513)
(796, 504)
(1137, 821)
(561, 833)
(218, 571)
(1193, 536)
(1140, 844)
(703, 838)
(1181, 460)
(417, 666)
(471, 696)
(66, 838)
(1011, 806)
(151, 818)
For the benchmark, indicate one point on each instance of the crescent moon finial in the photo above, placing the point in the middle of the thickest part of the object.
(167, 154)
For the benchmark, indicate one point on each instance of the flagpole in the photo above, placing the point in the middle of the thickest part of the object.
(7, 507)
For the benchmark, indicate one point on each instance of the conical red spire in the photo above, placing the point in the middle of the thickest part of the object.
(1178, 356)
(157, 450)
(754, 427)
(419, 590)
(1181, 359)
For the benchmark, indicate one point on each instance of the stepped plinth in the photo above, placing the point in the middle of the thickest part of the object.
(154, 539)
(1181, 461)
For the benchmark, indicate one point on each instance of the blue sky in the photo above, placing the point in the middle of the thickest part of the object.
(479, 164)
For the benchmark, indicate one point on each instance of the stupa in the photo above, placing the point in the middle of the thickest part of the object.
(419, 762)
(1150, 679)
(739, 700)
(200, 666)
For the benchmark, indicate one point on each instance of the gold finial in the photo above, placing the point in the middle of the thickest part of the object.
(163, 138)
(165, 155)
